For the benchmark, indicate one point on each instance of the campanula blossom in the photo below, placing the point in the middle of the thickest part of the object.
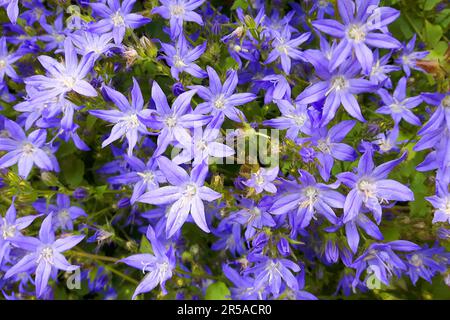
(24, 150)
(370, 188)
(44, 255)
(116, 17)
(126, 120)
(186, 193)
(157, 267)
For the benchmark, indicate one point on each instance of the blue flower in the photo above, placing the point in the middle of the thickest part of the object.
(157, 266)
(26, 151)
(45, 255)
(116, 17)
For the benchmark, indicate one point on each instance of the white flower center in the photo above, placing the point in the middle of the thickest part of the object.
(190, 191)
(28, 148)
(323, 146)
(367, 187)
(69, 82)
(63, 216)
(177, 10)
(8, 231)
(237, 48)
(117, 19)
(219, 103)
(282, 48)
(131, 121)
(2, 63)
(338, 83)
(259, 179)
(447, 207)
(397, 107)
(416, 260)
(299, 119)
(178, 62)
(147, 176)
(311, 194)
(201, 145)
(46, 254)
(170, 121)
(356, 33)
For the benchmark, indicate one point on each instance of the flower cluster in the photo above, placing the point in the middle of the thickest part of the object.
(127, 132)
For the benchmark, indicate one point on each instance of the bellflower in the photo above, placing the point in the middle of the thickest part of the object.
(220, 100)
(186, 193)
(360, 20)
(381, 69)
(178, 11)
(338, 87)
(408, 57)
(10, 227)
(381, 260)
(271, 273)
(126, 120)
(6, 61)
(87, 42)
(63, 213)
(144, 176)
(63, 77)
(117, 17)
(398, 105)
(158, 266)
(262, 180)
(205, 145)
(361, 221)
(45, 255)
(370, 188)
(307, 199)
(285, 48)
(330, 147)
(425, 263)
(173, 122)
(294, 117)
(180, 58)
(26, 151)
(441, 202)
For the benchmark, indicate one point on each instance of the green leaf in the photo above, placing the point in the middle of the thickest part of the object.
(433, 33)
(217, 291)
(145, 247)
(430, 4)
(239, 4)
(73, 170)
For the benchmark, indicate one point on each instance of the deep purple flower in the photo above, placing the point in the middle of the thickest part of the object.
(441, 202)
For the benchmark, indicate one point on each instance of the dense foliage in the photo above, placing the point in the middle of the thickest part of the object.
(186, 149)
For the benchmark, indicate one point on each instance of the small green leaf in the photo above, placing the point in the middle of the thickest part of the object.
(433, 33)
(145, 247)
(73, 170)
(430, 4)
(217, 291)
(239, 4)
